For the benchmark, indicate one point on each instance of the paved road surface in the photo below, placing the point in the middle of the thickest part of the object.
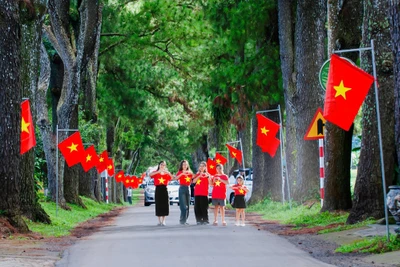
(136, 240)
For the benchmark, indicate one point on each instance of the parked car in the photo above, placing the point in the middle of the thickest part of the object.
(173, 192)
(248, 182)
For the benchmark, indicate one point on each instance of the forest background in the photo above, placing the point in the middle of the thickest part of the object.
(170, 80)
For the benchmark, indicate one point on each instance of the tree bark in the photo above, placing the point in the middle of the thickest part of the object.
(394, 17)
(286, 45)
(368, 194)
(31, 40)
(10, 100)
(344, 32)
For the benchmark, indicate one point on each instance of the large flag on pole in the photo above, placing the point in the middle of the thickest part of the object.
(266, 132)
(120, 176)
(346, 89)
(28, 139)
(72, 149)
(219, 159)
(235, 153)
(103, 158)
(90, 158)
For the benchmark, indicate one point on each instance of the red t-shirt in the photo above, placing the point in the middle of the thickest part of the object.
(185, 179)
(239, 192)
(201, 187)
(219, 188)
(161, 179)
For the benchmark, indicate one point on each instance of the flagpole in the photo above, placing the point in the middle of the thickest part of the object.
(59, 130)
(372, 49)
(283, 145)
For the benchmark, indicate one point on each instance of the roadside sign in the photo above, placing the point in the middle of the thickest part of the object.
(316, 128)
(324, 71)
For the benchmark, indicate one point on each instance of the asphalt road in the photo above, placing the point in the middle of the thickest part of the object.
(136, 240)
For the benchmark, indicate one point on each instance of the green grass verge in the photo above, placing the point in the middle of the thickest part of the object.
(372, 245)
(65, 221)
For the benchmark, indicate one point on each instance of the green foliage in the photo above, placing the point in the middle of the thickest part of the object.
(372, 245)
(66, 220)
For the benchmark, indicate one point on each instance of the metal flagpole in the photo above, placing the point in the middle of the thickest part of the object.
(379, 124)
(283, 145)
(59, 130)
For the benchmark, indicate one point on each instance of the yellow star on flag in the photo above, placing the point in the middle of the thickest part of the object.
(161, 180)
(211, 166)
(109, 167)
(234, 154)
(24, 125)
(241, 191)
(72, 147)
(341, 90)
(218, 183)
(119, 176)
(198, 181)
(264, 130)
(88, 158)
(127, 181)
(101, 159)
(218, 161)
(187, 179)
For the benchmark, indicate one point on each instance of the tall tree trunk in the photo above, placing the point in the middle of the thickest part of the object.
(10, 100)
(344, 32)
(31, 40)
(286, 44)
(394, 16)
(368, 194)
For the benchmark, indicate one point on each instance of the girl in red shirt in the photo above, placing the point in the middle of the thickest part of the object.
(202, 180)
(161, 178)
(184, 176)
(219, 182)
(239, 203)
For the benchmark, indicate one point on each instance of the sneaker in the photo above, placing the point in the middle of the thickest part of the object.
(242, 224)
(198, 223)
(159, 224)
(163, 224)
(186, 223)
(237, 223)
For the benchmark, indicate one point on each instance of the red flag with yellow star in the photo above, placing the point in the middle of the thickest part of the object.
(235, 153)
(211, 167)
(110, 167)
(72, 149)
(102, 166)
(119, 177)
(90, 158)
(346, 89)
(219, 159)
(28, 139)
(271, 147)
(267, 130)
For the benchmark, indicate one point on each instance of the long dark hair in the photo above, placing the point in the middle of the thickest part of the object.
(181, 165)
(205, 165)
(158, 167)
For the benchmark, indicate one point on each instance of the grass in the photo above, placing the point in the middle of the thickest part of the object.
(66, 220)
(372, 245)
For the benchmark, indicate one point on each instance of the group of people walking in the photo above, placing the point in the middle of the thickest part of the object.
(202, 180)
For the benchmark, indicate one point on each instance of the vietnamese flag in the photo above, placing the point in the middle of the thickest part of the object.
(119, 177)
(235, 153)
(72, 149)
(211, 167)
(127, 181)
(271, 147)
(267, 130)
(102, 166)
(219, 159)
(346, 90)
(134, 182)
(110, 167)
(28, 139)
(90, 158)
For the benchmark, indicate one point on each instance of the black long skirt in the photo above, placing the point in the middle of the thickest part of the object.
(162, 200)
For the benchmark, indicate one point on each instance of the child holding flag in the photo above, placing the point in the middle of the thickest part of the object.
(240, 203)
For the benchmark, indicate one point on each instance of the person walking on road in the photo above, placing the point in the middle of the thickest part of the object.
(202, 180)
(219, 182)
(161, 178)
(129, 195)
(184, 176)
(239, 203)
